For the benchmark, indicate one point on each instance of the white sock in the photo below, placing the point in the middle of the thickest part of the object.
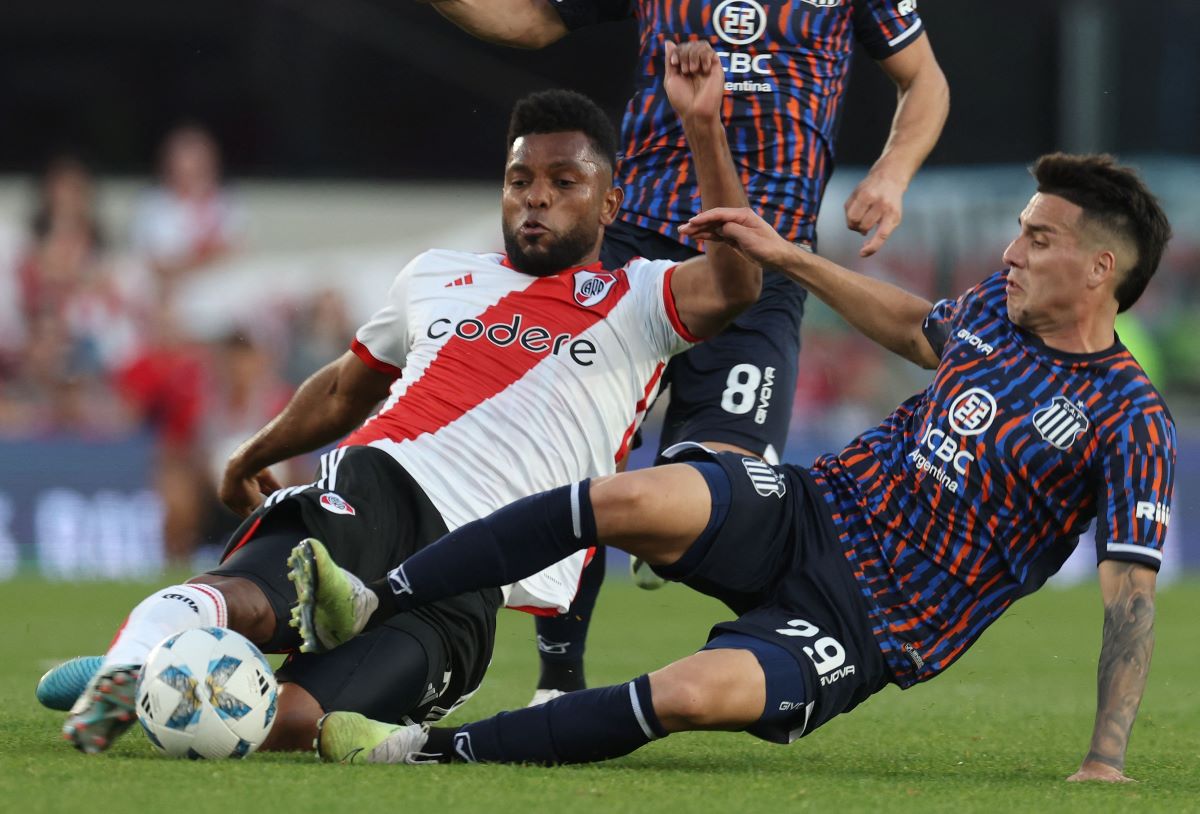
(166, 611)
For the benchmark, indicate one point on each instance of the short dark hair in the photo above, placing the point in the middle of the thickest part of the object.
(1116, 199)
(562, 111)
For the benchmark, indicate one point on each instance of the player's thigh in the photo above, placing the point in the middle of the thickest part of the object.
(750, 537)
(654, 513)
(711, 689)
(738, 387)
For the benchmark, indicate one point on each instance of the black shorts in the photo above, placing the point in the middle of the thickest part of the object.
(737, 387)
(777, 562)
(371, 515)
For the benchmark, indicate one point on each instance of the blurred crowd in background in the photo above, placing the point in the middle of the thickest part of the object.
(92, 346)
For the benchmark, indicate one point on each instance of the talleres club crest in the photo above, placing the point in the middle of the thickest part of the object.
(1062, 422)
(592, 287)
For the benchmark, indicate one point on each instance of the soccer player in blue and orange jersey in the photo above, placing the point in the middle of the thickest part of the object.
(884, 562)
(786, 65)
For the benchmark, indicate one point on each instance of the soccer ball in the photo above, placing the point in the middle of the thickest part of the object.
(206, 693)
(643, 576)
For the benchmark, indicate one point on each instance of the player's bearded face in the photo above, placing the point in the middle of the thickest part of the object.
(553, 203)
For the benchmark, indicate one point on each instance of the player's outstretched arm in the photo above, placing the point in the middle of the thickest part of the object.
(710, 290)
(330, 403)
(881, 311)
(1128, 593)
(922, 103)
(516, 23)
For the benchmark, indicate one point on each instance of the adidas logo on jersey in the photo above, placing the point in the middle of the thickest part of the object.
(466, 280)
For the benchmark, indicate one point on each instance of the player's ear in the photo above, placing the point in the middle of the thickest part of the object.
(1104, 269)
(612, 205)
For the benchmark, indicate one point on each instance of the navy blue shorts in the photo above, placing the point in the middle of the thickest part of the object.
(776, 561)
(737, 387)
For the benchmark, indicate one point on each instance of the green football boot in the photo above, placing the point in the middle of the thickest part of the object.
(332, 605)
(347, 737)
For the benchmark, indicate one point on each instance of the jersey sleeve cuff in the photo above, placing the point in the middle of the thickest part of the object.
(672, 312)
(885, 48)
(364, 353)
(1126, 552)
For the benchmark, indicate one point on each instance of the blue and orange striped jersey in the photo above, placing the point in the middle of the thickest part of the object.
(972, 493)
(785, 64)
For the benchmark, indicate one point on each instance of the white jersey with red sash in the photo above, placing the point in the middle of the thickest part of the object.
(510, 384)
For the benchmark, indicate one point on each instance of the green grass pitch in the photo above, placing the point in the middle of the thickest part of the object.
(998, 732)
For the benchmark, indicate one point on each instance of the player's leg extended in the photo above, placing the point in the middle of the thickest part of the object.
(391, 674)
(746, 541)
(104, 710)
(655, 513)
(724, 689)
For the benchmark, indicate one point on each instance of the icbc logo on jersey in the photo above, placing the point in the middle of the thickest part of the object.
(591, 288)
(972, 412)
(740, 22)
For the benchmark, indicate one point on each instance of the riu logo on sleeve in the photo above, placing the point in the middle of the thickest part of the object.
(1158, 512)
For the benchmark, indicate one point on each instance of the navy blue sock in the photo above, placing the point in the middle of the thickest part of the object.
(561, 639)
(579, 727)
(510, 544)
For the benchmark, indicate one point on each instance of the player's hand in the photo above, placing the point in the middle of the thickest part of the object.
(743, 230)
(876, 203)
(1092, 770)
(695, 80)
(242, 491)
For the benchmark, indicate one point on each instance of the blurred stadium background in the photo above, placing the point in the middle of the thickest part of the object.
(200, 202)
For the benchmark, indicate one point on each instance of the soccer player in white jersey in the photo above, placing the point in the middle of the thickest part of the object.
(504, 376)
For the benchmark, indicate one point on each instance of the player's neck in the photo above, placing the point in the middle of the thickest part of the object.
(1083, 336)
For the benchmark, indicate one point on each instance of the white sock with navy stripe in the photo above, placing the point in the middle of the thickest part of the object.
(166, 611)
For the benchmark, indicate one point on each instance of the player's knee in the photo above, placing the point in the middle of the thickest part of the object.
(620, 500)
(248, 609)
(684, 702)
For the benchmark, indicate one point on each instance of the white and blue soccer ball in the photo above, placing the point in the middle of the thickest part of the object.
(206, 693)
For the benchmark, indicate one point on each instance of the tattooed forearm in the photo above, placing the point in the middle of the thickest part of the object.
(1124, 658)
